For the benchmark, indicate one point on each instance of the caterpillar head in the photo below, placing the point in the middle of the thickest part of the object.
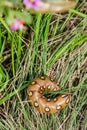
(63, 100)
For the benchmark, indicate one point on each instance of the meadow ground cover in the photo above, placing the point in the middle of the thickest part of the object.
(53, 45)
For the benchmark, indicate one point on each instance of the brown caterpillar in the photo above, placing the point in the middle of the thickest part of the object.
(60, 6)
(40, 102)
(56, 6)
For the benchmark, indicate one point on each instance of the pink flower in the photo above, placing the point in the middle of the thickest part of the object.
(35, 4)
(17, 24)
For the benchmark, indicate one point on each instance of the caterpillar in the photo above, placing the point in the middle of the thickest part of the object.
(40, 102)
(56, 6)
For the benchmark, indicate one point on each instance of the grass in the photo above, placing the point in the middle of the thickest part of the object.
(52, 45)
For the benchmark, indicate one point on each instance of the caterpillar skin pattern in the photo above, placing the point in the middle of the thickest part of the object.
(40, 102)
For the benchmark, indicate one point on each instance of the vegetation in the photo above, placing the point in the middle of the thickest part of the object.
(53, 45)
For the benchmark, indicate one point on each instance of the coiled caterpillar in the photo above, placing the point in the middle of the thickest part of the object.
(40, 102)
